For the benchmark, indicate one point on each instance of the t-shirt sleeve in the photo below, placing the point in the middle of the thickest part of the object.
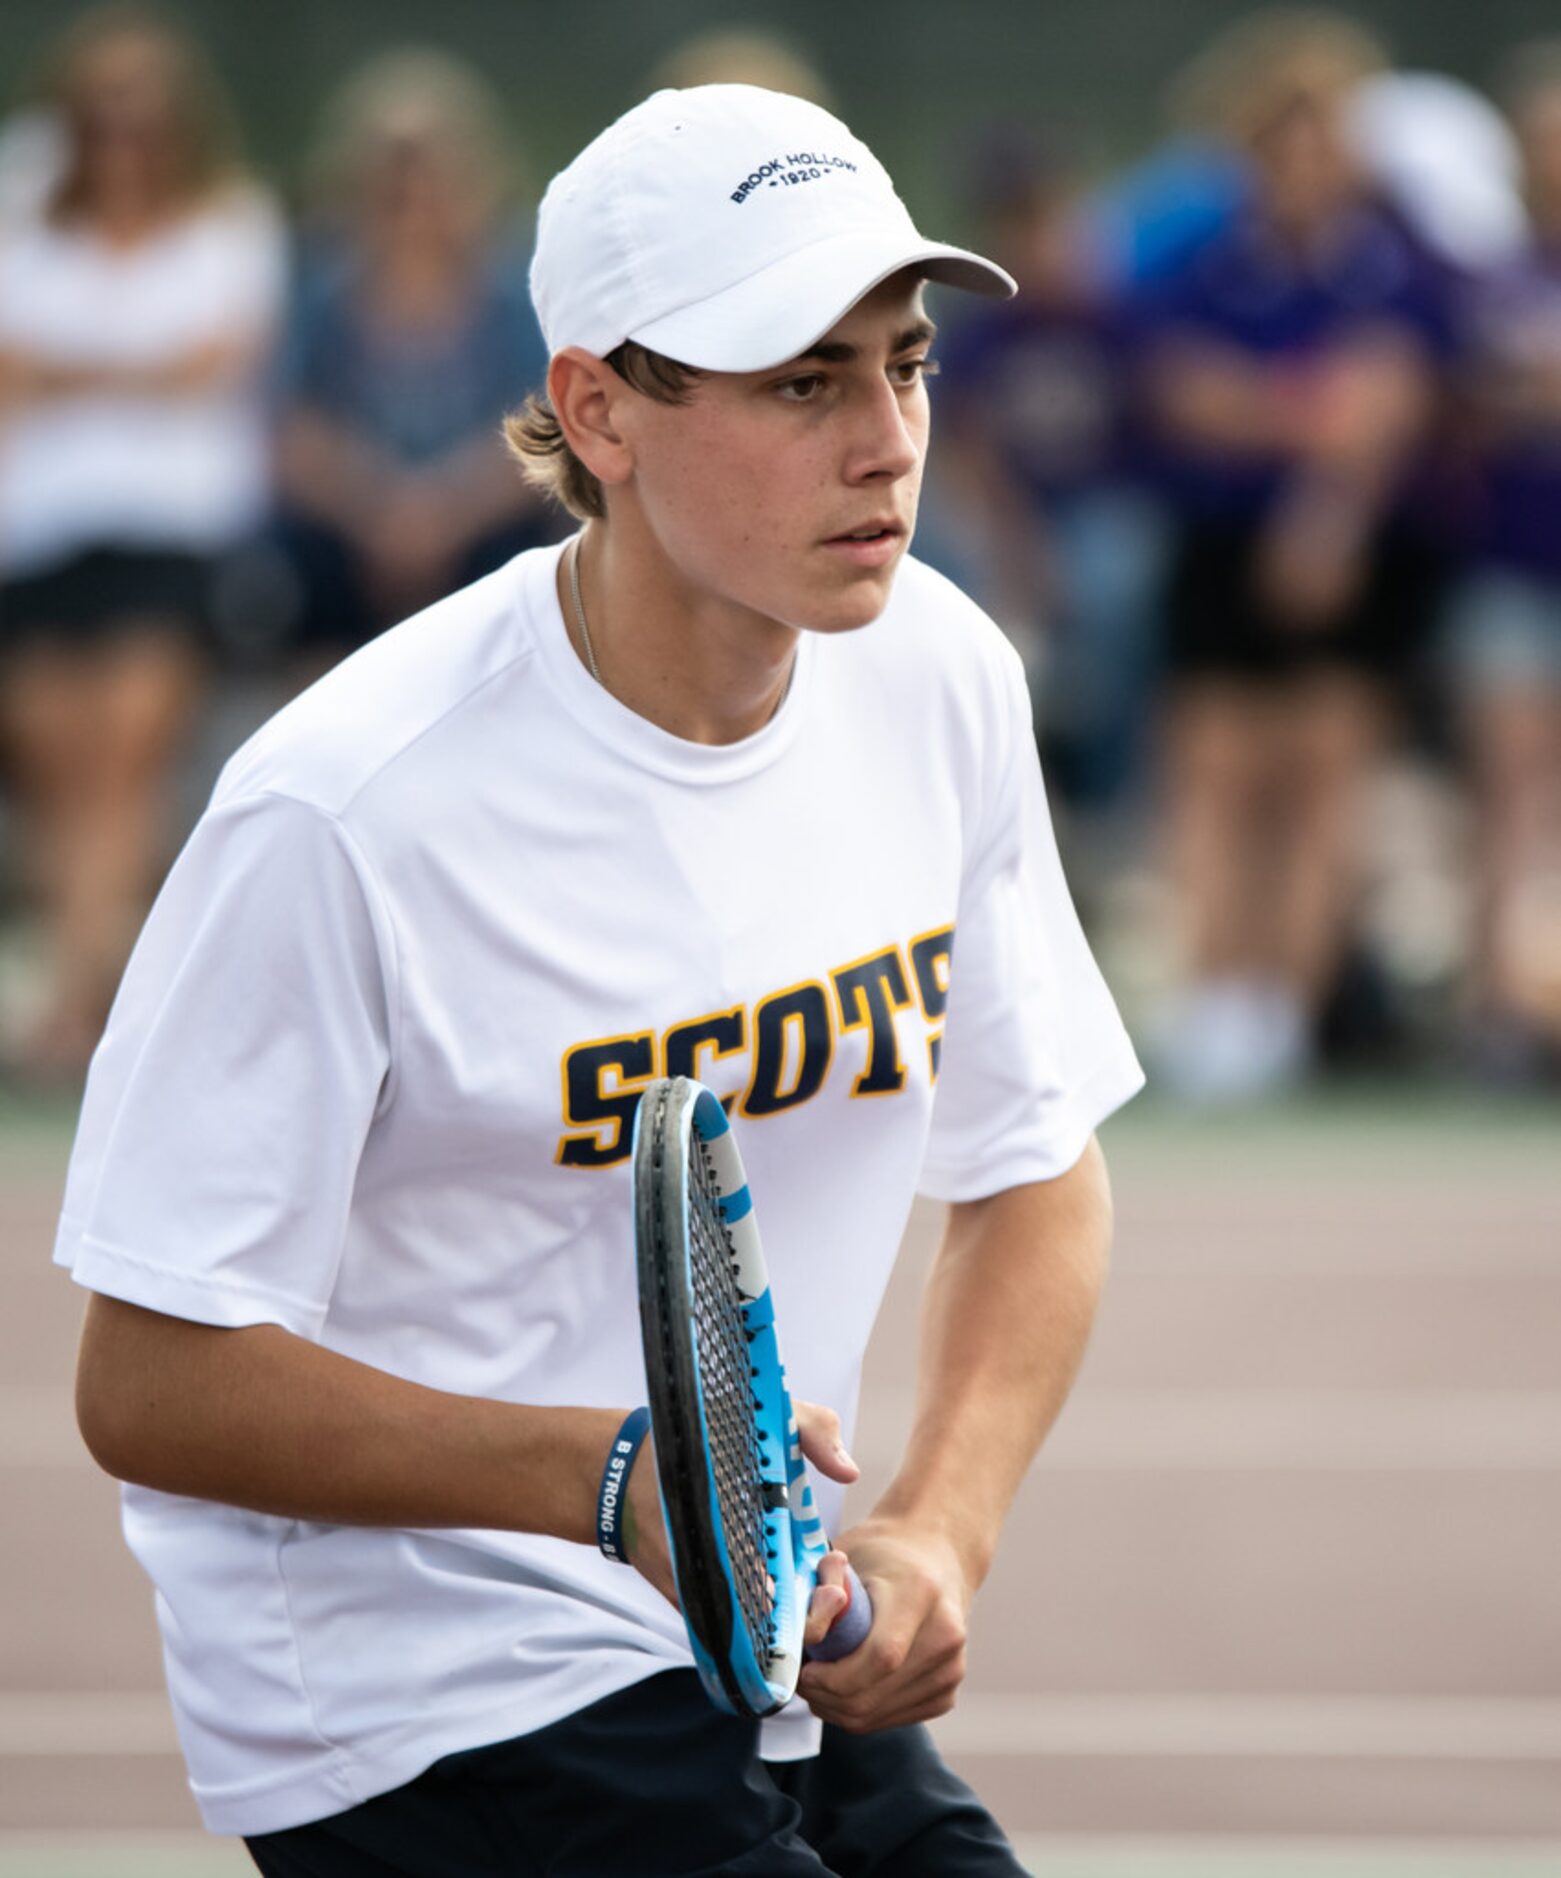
(247, 1053)
(1034, 1055)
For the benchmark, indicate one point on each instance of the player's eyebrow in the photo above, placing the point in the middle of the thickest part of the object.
(839, 352)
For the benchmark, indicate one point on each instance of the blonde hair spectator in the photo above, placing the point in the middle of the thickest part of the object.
(137, 300)
(125, 70)
(1263, 65)
(412, 329)
(740, 56)
(415, 98)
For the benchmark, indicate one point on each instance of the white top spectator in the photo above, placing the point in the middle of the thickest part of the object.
(181, 468)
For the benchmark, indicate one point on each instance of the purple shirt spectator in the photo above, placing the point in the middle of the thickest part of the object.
(1515, 325)
(1045, 384)
(1245, 292)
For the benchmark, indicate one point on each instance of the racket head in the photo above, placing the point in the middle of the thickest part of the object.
(726, 1446)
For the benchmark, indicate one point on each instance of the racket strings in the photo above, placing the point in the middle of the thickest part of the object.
(727, 1383)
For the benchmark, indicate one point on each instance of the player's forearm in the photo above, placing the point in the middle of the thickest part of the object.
(262, 1419)
(1005, 1320)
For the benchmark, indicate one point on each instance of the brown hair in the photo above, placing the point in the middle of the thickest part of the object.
(537, 442)
(202, 122)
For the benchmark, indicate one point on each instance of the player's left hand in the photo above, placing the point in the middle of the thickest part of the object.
(823, 1447)
(911, 1666)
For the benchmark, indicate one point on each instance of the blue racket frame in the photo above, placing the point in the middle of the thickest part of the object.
(795, 1540)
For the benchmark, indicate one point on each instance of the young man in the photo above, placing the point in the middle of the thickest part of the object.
(726, 787)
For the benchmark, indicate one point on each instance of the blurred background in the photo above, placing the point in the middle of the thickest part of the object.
(1262, 474)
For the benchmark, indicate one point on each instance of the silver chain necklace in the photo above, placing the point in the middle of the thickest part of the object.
(585, 631)
(579, 606)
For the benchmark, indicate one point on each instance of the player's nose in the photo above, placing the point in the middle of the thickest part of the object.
(887, 442)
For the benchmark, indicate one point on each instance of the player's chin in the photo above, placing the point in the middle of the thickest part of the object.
(847, 606)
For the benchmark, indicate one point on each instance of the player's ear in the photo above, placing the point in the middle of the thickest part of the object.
(587, 396)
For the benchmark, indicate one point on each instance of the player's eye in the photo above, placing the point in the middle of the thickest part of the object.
(802, 389)
(912, 371)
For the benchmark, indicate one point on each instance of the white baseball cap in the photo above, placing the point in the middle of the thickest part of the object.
(726, 227)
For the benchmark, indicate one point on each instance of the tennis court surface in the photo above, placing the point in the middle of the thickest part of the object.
(1280, 1600)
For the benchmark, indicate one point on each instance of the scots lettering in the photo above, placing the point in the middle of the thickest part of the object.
(870, 992)
(932, 958)
(603, 1083)
(767, 1058)
(685, 1046)
(792, 1048)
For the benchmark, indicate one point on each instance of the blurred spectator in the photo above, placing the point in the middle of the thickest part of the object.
(1438, 153)
(1033, 456)
(411, 332)
(1148, 222)
(1505, 637)
(1444, 158)
(1291, 373)
(742, 56)
(31, 157)
(135, 305)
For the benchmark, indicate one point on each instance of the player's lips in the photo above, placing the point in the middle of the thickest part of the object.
(871, 544)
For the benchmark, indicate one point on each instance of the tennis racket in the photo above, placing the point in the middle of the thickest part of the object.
(746, 1538)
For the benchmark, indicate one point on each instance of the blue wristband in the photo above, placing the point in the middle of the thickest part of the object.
(611, 1501)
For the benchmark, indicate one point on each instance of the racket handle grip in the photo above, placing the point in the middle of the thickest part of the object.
(849, 1630)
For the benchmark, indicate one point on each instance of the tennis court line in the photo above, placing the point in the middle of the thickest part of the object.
(1331, 1252)
(53, 1724)
(1266, 1727)
(1105, 1430)
(1295, 1430)
(116, 1854)
(113, 1854)
(49, 1725)
(1082, 1855)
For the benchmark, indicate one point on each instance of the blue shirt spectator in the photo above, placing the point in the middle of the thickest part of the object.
(412, 332)
(414, 394)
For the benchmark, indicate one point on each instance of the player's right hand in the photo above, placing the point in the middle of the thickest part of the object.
(911, 1665)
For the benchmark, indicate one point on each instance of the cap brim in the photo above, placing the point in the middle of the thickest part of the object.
(777, 313)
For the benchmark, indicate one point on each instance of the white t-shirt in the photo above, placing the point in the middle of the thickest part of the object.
(187, 470)
(368, 1078)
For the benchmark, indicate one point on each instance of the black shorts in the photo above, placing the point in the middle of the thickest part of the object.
(1216, 623)
(101, 591)
(654, 1782)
